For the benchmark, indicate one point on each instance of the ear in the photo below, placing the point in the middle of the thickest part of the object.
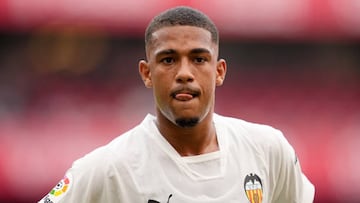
(220, 72)
(145, 73)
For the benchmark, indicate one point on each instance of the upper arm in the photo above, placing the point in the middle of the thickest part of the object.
(291, 184)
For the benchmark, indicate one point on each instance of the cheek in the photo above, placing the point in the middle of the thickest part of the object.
(209, 87)
(208, 81)
(160, 82)
(160, 90)
(210, 90)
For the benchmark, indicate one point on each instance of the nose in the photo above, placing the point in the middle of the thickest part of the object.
(184, 72)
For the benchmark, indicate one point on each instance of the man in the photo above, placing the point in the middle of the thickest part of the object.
(187, 153)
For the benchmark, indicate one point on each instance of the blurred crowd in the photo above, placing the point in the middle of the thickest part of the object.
(64, 93)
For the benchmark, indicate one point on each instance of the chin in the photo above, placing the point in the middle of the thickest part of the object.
(187, 122)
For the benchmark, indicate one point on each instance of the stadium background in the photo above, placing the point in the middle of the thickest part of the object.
(69, 83)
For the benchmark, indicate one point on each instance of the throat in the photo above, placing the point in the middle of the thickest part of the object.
(189, 136)
(193, 147)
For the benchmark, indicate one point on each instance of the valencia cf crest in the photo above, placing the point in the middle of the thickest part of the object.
(253, 188)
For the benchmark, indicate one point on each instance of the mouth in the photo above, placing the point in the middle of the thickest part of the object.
(185, 94)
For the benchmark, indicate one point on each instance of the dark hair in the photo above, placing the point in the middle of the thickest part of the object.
(181, 15)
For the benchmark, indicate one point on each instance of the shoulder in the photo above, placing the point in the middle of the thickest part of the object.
(118, 152)
(263, 140)
(108, 166)
(124, 151)
(254, 132)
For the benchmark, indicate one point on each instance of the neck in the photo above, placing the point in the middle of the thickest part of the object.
(189, 141)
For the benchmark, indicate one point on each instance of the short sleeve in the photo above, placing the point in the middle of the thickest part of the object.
(85, 181)
(95, 178)
(78, 185)
(292, 186)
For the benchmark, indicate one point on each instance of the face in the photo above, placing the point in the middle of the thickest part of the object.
(183, 70)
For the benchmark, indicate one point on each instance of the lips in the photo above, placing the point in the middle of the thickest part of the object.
(185, 94)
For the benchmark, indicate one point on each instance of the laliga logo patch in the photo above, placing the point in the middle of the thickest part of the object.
(59, 190)
(253, 188)
(61, 187)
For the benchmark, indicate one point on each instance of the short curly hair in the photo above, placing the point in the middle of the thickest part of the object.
(181, 15)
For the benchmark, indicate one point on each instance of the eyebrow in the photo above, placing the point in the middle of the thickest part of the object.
(165, 52)
(172, 51)
(199, 51)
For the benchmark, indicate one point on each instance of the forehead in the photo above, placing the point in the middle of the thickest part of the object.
(180, 38)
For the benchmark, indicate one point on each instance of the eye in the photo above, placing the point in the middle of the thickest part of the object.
(167, 60)
(200, 60)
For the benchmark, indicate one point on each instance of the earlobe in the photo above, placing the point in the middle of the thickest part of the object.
(144, 71)
(220, 72)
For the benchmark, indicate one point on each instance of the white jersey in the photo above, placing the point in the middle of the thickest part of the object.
(255, 164)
